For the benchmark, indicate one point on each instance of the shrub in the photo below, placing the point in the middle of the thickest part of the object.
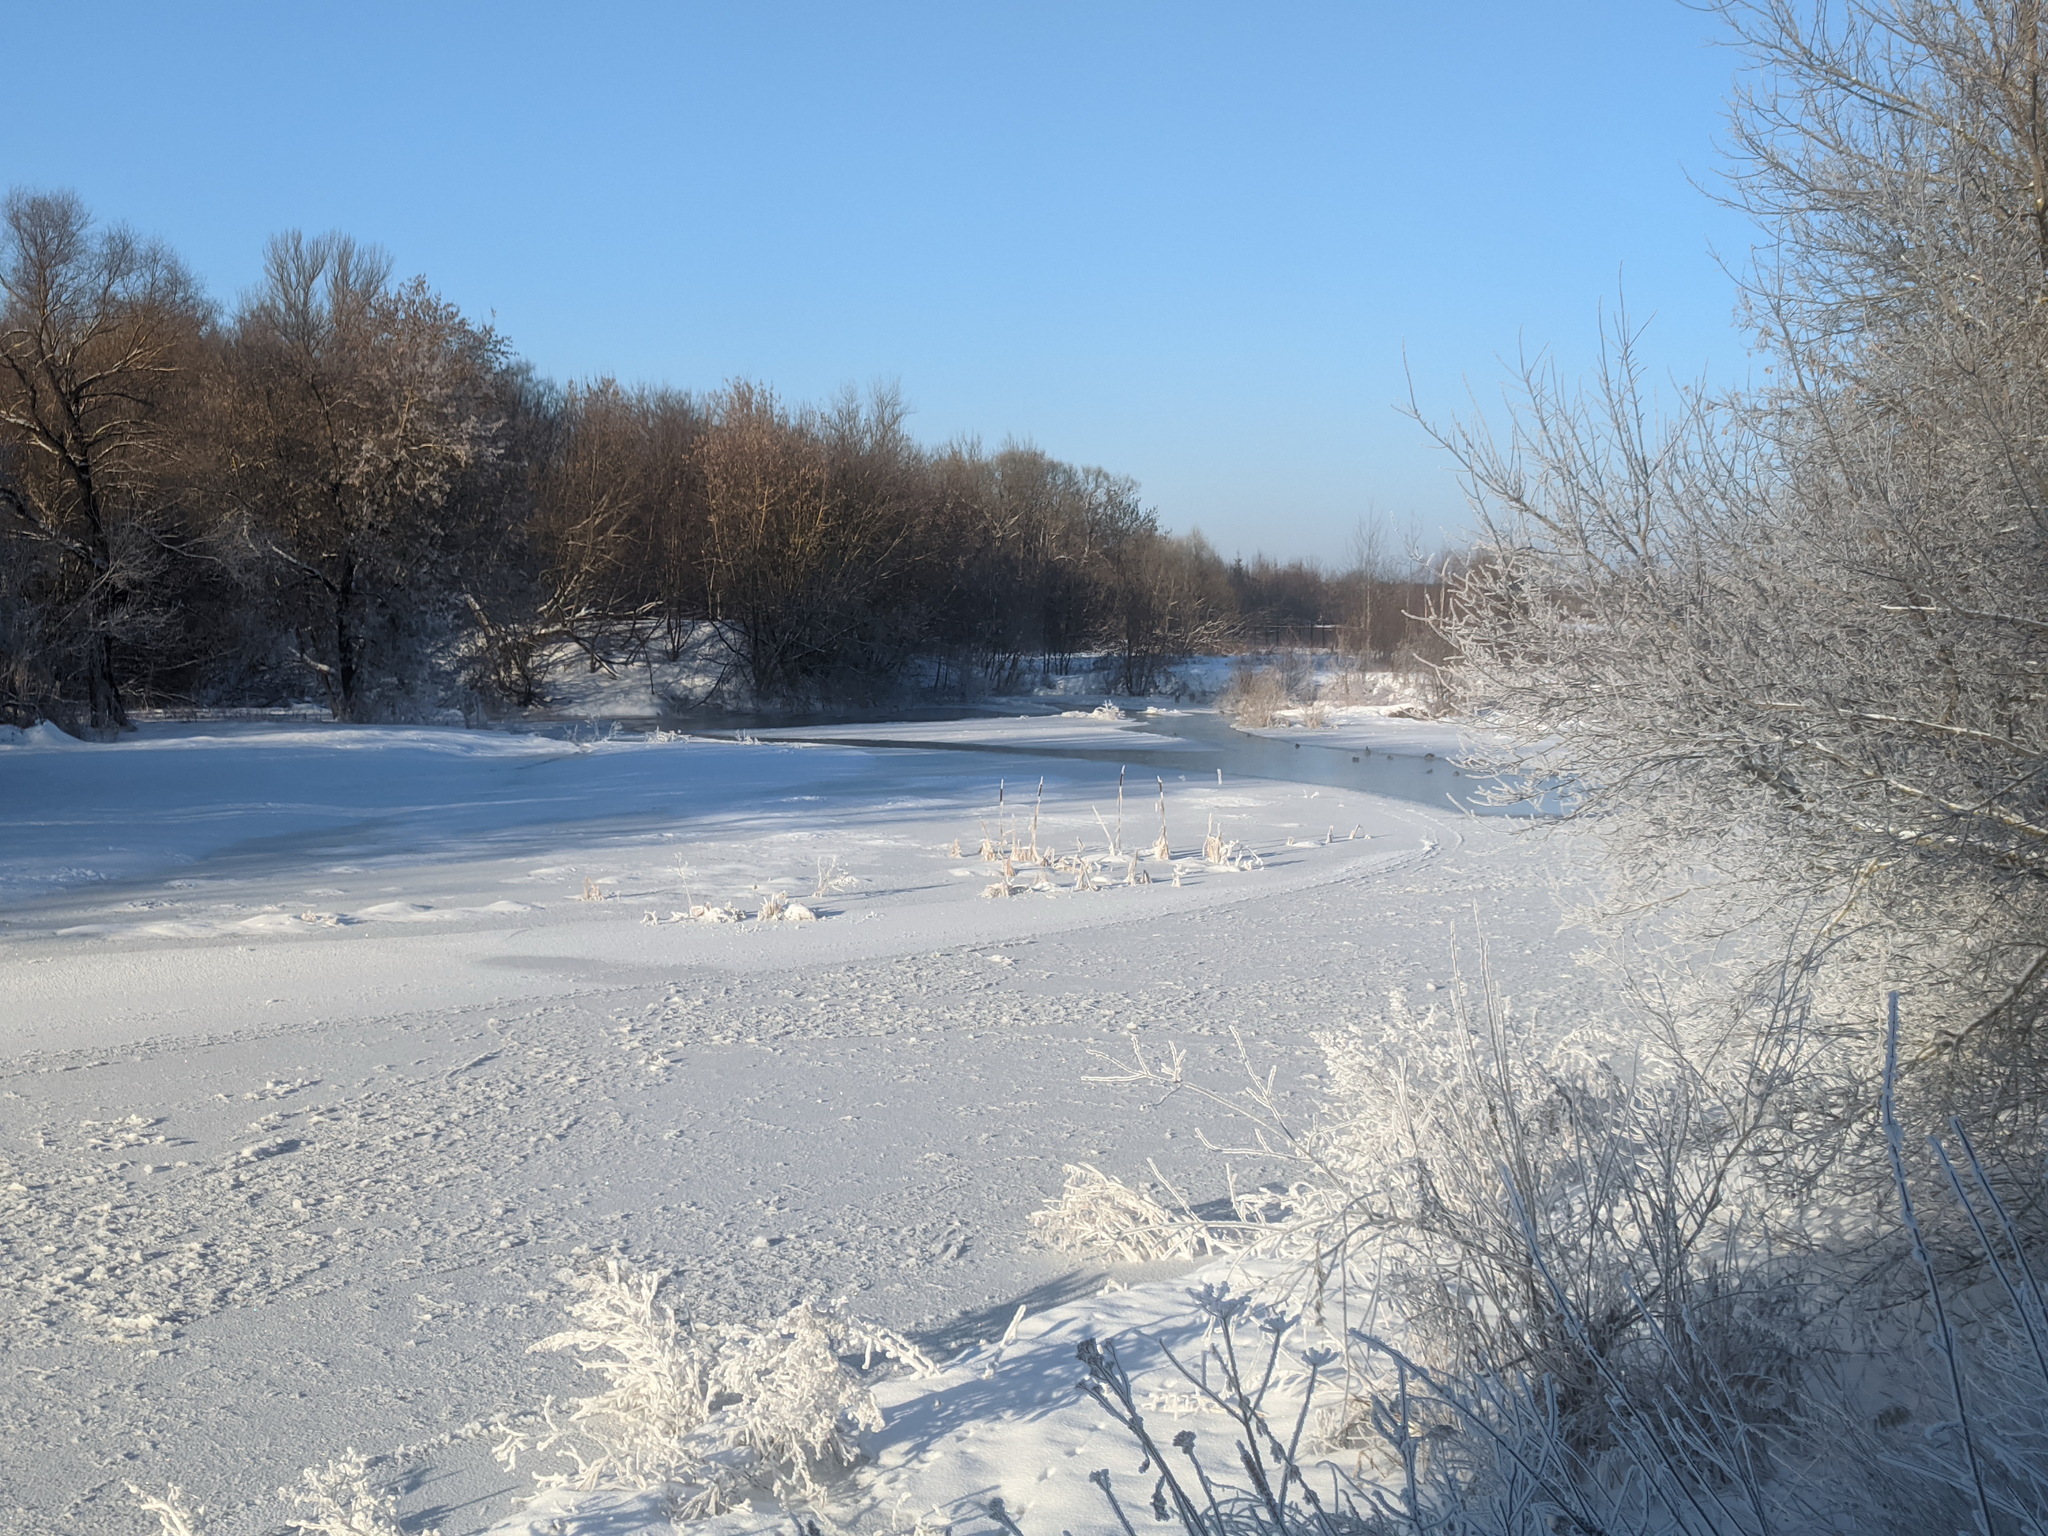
(1253, 697)
(1576, 1290)
(709, 1414)
(1094, 1213)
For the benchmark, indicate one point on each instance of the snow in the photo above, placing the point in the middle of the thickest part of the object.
(40, 735)
(317, 1068)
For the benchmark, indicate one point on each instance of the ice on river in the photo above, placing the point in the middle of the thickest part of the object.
(323, 1050)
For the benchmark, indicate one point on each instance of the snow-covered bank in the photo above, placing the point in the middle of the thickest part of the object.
(273, 1185)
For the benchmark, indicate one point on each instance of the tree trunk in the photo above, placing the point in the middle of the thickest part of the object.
(103, 688)
(345, 642)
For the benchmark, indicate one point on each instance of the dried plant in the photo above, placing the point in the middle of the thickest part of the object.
(1220, 852)
(835, 878)
(776, 907)
(658, 1372)
(1253, 697)
(700, 913)
(711, 1414)
(1097, 1214)
(341, 1499)
(175, 1517)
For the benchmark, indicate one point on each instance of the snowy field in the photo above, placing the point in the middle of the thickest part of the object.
(327, 1052)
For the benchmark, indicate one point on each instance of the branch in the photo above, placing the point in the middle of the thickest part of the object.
(1968, 613)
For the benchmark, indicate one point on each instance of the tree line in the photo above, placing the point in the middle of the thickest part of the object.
(344, 489)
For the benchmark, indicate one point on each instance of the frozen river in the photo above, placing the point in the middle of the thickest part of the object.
(320, 1067)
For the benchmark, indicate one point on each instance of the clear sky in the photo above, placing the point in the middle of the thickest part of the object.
(1186, 241)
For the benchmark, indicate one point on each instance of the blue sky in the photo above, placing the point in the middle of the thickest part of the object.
(1189, 242)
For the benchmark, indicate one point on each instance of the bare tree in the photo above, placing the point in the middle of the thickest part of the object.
(811, 541)
(98, 329)
(608, 561)
(359, 413)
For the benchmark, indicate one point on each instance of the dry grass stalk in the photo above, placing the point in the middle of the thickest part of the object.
(1113, 839)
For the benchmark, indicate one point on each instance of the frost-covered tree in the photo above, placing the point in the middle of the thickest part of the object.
(98, 335)
(1786, 651)
(359, 419)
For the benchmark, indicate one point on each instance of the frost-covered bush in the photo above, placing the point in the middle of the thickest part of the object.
(1478, 1188)
(712, 1414)
(834, 878)
(341, 1499)
(793, 1403)
(1097, 1214)
(1503, 1188)
(1626, 1283)
(776, 907)
(658, 1390)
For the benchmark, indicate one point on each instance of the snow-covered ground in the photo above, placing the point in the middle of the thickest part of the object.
(324, 1051)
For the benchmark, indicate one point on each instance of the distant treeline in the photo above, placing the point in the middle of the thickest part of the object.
(344, 489)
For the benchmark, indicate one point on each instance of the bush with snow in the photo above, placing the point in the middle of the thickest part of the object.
(341, 1499)
(1627, 1282)
(1100, 1215)
(711, 1414)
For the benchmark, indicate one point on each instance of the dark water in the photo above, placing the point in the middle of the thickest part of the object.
(1205, 744)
